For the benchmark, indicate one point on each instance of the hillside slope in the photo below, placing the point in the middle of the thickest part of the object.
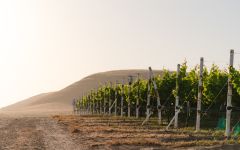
(61, 100)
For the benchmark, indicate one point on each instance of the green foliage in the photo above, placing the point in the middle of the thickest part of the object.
(214, 81)
(166, 85)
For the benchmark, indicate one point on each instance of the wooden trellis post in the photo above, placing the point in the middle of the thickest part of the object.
(97, 101)
(109, 100)
(177, 97)
(130, 79)
(122, 98)
(80, 106)
(85, 105)
(82, 103)
(89, 104)
(100, 103)
(116, 102)
(104, 100)
(148, 113)
(138, 97)
(200, 90)
(229, 98)
(158, 96)
(149, 96)
(92, 102)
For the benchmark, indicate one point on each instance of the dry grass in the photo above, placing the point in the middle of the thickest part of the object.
(114, 131)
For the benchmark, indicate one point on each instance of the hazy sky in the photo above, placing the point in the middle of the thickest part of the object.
(46, 45)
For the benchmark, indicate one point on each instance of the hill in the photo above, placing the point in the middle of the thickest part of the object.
(60, 101)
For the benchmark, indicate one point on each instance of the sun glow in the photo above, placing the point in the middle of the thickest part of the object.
(46, 45)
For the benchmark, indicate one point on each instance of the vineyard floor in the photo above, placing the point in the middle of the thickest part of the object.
(65, 132)
(102, 132)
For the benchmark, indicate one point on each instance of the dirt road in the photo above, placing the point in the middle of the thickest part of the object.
(33, 133)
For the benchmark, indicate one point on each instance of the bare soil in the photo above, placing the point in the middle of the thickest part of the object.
(69, 132)
(33, 133)
(103, 132)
